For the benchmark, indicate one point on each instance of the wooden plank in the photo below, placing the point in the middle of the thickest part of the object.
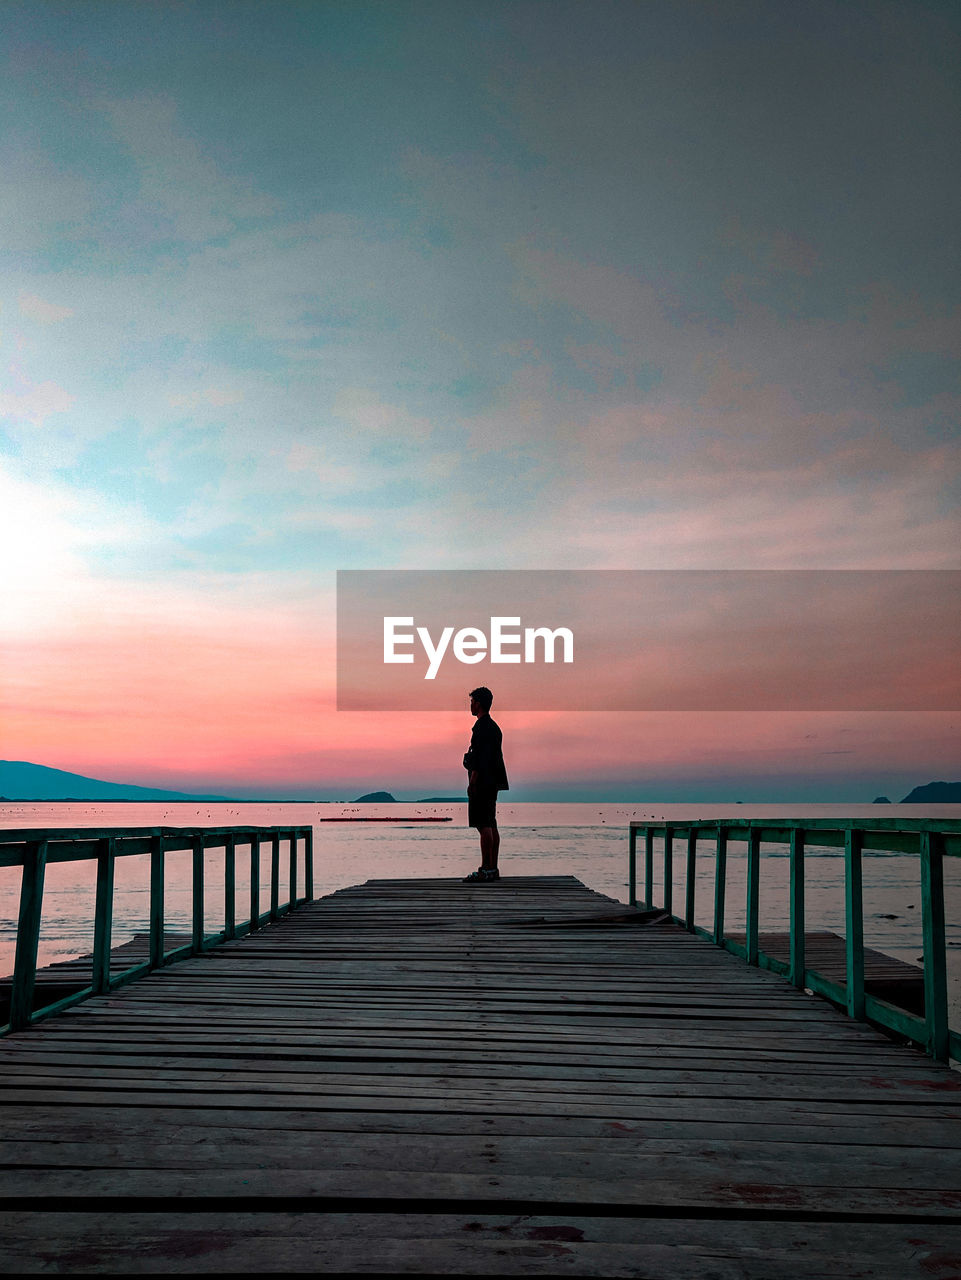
(460, 1080)
(485, 1189)
(664, 1156)
(789, 1123)
(709, 1153)
(478, 1244)
(277, 1049)
(691, 1031)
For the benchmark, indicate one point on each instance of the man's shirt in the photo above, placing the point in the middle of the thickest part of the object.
(486, 755)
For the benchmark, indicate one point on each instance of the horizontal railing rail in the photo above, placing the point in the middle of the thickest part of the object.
(930, 840)
(35, 850)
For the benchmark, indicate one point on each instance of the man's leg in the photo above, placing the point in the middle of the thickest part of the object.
(488, 849)
(490, 843)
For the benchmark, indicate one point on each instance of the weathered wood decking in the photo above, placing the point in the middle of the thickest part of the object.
(517, 1078)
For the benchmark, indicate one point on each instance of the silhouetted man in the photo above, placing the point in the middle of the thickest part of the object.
(486, 775)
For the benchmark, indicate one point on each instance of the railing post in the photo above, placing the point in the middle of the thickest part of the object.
(28, 935)
(720, 884)
(197, 923)
(254, 882)
(230, 888)
(854, 924)
(753, 892)
(797, 961)
(275, 875)
(103, 915)
(293, 869)
(632, 867)
(309, 865)
(932, 921)
(691, 875)
(669, 870)
(156, 902)
(649, 866)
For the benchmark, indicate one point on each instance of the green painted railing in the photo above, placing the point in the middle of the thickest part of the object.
(35, 850)
(931, 840)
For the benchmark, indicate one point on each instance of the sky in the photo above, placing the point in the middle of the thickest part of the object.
(299, 287)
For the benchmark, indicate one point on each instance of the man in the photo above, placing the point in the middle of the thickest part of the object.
(486, 776)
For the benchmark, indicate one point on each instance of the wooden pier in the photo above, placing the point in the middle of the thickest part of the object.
(519, 1078)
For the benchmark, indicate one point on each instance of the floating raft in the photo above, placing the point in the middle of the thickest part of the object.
(513, 1078)
(390, 819)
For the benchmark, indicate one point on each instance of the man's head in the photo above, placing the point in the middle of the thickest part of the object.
(480, 701)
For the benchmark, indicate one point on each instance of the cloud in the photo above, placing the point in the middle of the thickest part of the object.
(366, 414)
(35, 308)
(803, 518)
(772, 250)
(183, 194)
(32, 403)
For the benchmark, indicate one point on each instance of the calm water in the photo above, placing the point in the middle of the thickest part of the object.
(585, 840)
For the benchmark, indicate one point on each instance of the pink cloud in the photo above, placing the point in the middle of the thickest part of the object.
(36, 308)
(33, 402)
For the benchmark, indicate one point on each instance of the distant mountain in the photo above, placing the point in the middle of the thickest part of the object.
(376, 797)
(935, 793)
(20, 780)
(442, 800)
(881, 800)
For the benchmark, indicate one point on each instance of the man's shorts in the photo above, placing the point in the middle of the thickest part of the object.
(482, 808)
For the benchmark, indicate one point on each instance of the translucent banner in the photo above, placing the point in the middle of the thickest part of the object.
(650, 640)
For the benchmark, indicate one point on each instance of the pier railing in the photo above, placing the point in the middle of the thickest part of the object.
(930, 840)
(35, 850)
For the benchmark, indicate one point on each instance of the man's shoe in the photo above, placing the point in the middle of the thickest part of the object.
(482, 874)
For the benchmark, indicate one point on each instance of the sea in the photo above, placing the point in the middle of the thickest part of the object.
(582, 839)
